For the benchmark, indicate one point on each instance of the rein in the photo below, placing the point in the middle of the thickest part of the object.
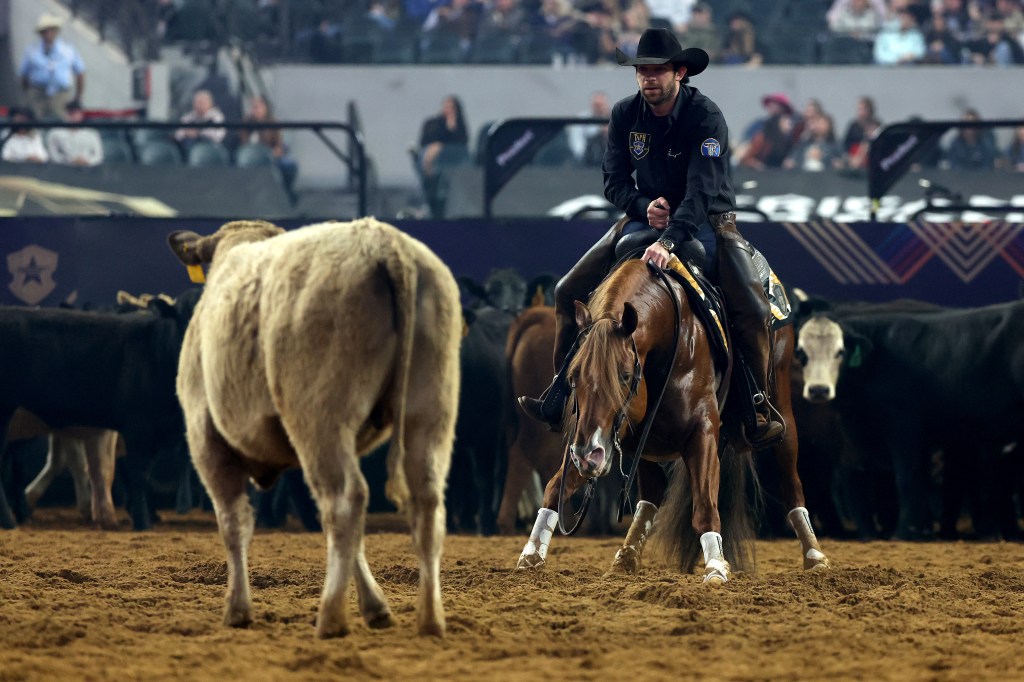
(628, 483)
(619, 418)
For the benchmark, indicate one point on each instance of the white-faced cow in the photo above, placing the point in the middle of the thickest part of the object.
(909, 384)
(311, 348)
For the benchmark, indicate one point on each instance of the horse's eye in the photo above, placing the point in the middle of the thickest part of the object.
(626, 377)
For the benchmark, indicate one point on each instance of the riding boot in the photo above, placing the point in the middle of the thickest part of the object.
(749, 312)
(577, 284)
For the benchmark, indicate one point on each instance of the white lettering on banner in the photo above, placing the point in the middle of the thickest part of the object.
(852, 209)
(516, 147)
(900, 152)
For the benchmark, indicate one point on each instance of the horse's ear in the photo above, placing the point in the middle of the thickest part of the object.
(582, 315)
(629, 319)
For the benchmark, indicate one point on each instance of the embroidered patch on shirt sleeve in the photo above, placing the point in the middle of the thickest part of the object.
(710, 147)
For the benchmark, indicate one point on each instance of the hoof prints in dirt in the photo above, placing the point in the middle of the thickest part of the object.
(216, 573)
(66, 574)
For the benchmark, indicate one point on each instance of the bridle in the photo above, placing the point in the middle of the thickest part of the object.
(620, 417)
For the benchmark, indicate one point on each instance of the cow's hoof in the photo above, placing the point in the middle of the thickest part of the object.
(380, 621)
(328, 628)
(626, 561)
(431, 628)
(816, 561)
(530, 562)
(237, 618)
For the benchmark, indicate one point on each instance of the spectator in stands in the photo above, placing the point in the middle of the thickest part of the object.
(557, 20)
(942, 45)
(459, 18)
(447, 128)
(775, 104)
(384, 13)
(417, 11)
(74, 145)
(972, 148)
(596, 34)
(996, 46)
(272, 139)
(503, 15)
(25, 144)
(1012, 14)
(674, 12)
(52, 73)
(740, 43)
(1015, 152)
(856, 157)
(203, 111)
(702, 32)
(902, 43)
(957, 18)
(771, 144)
(817, 149)
(325, 42)
(635, 19)
(864, 120)
(588, 141)
(860, 19)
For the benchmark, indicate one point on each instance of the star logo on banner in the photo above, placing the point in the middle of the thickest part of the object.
(32, 271)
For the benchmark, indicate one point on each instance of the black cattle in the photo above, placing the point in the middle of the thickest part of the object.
(101, 370)
(910, 384)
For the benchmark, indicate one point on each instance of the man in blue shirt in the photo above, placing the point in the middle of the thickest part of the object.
(52, 72)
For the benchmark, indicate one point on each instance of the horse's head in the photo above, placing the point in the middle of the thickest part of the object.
(607, 383)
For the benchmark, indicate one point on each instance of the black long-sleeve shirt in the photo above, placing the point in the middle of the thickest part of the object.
(683, 157)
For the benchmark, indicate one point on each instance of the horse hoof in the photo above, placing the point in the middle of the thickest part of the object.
(380, 621)
(626, 561)
(716, 572)
(816, 561)
(530, 562)
(237, 618)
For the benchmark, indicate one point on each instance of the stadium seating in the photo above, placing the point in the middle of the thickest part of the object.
(206, 153)
(159, 153)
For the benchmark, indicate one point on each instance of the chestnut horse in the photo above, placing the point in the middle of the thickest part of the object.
(621, 367)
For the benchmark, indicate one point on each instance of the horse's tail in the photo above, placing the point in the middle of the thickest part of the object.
(677, 541)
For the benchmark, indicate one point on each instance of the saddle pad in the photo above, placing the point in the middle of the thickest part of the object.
(707, 304)
(782, 311)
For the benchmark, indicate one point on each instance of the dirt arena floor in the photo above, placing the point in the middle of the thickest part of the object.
(85, 605)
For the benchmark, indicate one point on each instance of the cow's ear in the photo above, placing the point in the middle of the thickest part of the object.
(583, 318)
(183, 244)
(629, 319)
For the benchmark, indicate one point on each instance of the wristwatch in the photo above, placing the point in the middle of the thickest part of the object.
(668, 244)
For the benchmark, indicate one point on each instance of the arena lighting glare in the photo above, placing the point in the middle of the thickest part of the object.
(749, 184)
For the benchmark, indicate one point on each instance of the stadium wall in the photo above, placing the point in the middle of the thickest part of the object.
(87, 260)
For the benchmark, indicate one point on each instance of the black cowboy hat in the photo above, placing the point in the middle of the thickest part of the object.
(660, 46)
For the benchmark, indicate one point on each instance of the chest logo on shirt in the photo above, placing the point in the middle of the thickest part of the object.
(639, 144)
(710, 147)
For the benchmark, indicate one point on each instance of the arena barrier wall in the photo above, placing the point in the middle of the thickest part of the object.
(87, 260)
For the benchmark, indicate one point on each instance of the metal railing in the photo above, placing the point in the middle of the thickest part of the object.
(354, 159)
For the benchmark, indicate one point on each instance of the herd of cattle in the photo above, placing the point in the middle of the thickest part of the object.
(908, 413)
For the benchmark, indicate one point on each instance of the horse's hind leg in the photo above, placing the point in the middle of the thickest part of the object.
(536, 549)
(652, 482)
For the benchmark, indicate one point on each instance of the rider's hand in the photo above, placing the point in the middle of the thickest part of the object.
(657, 254)
(657, 213)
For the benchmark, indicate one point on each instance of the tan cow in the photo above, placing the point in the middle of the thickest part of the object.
(311, 348)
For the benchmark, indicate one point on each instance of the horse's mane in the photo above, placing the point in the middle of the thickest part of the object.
(601, 354)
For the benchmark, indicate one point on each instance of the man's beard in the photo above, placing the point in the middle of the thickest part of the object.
(659, 97)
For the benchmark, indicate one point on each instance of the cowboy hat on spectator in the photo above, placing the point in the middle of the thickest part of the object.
(48, 21)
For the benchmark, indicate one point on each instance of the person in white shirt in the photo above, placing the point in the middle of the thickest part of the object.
(25, 144)
(75, 146)
(583, 136)
(203, 111)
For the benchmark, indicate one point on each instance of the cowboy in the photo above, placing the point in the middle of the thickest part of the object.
(666, 165)
(52, 72)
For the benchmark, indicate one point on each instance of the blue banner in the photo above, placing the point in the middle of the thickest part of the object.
(87, 260)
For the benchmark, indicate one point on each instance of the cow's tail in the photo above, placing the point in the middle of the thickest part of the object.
(402, 272)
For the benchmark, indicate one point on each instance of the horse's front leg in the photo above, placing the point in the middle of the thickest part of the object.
(652, 482)
(705, 476)
(535, 552)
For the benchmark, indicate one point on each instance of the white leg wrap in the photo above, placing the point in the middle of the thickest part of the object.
(716, 568)
(536, 549)
(800, 522)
